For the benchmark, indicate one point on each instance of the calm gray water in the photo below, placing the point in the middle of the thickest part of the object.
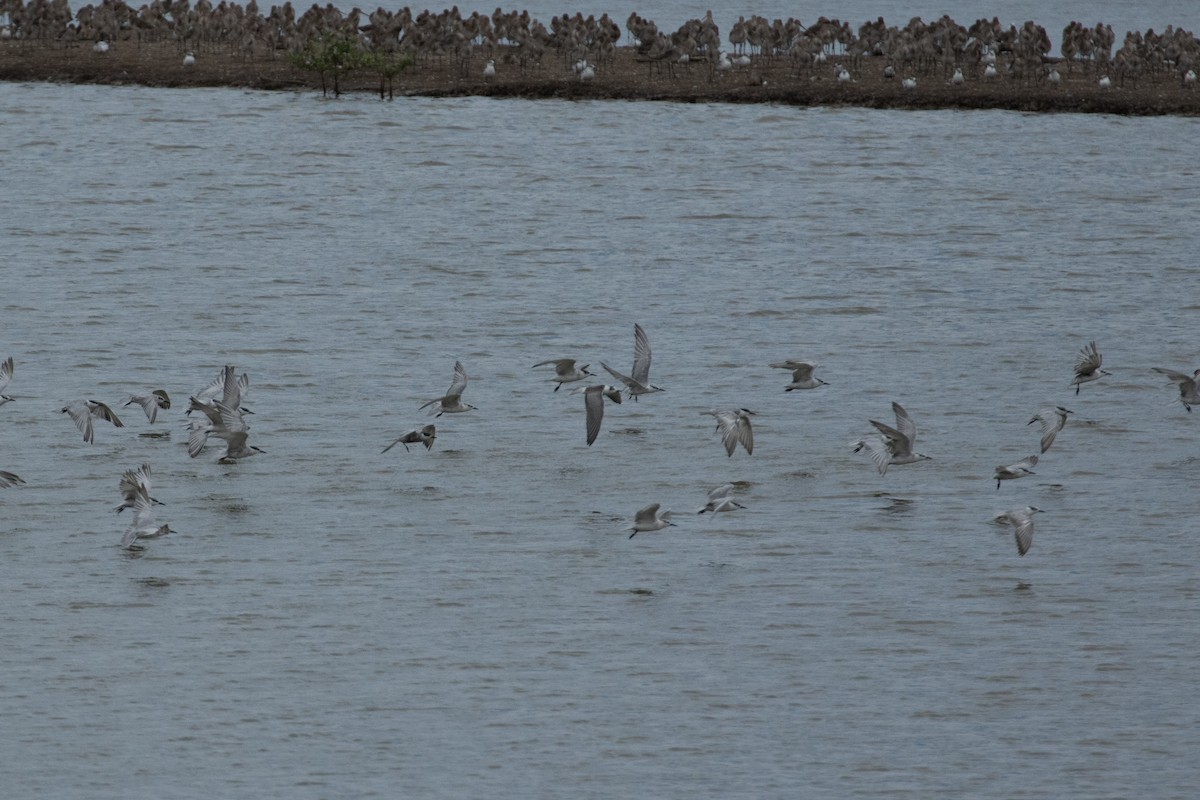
(330, 621)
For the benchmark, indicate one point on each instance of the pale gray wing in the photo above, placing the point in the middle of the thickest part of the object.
(646, 515)
(148, 402)
(745, 434)
(1177, 378)
(1049, 420)
(460, 380)
(197, 437)
(231, 391)
(790, 364)
(630, 382)
(905, 424)
(134, 481)
(143, 511)
(562, 366)
(593, 400)
(102, 411)
(879, 452)
(1027, 463)
(895, 441)
(401, 438)
(6, 373)
(215, 386)
(231, 422)
(727, 424)
(9, 479)
(1023, 529)
(1089, 360)
(130, 537)
(722, 491)
(803, 371)
(81, 415)
(641, 355)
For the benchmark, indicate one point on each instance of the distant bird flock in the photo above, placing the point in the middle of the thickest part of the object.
(222, 415)
(579, 47)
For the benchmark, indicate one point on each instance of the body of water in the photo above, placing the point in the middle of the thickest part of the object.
(331, 621)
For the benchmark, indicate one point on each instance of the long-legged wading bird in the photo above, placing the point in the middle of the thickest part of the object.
(151, 403)
(1021, 520)
(144, 525)
(1189, 385)
(1087, 367)
(565, 371)
(133, 483)
(896, 445)
(424, 436)
(82, 412)
(734, 426)
(650, 519)
(802, 374)
(1013, 471)
(638, 381)
(451, 402)
(719, 500)
(1052, 421)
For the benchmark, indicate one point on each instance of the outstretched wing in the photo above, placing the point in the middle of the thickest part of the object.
(1089, 360)
(6, 373)
(460, 380)
(641, 355)
(593, 400)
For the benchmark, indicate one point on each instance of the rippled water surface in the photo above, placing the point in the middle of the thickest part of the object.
(330, 621)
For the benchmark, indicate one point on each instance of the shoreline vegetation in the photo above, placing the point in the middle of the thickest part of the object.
(939, 64)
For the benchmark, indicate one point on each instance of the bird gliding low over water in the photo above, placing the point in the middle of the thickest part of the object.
(638, 381)
(896, 445)
(1021, 520)
(424, 436)
(650, 519)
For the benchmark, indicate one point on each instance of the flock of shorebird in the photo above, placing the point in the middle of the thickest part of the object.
(223, 416)
(890, 446)
(220, 403)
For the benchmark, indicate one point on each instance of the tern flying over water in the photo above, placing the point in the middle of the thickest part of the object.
(1052, 421)
(451, 402)
(650, 519)
(83, 411)
(719, 500)
(1189, 385)
(9, 479)
(144, 525)
(1021, 519)
(1087, 367)
(151, 403)
(802, 374)
(133, 483)
(228, 387)
(230, 425)
(1013, 471)
(896, 446)
(638, 381)
(565, 371)
(423, 436)
(734, 426)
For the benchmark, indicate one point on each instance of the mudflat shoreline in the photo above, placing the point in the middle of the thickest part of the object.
(624, 76)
